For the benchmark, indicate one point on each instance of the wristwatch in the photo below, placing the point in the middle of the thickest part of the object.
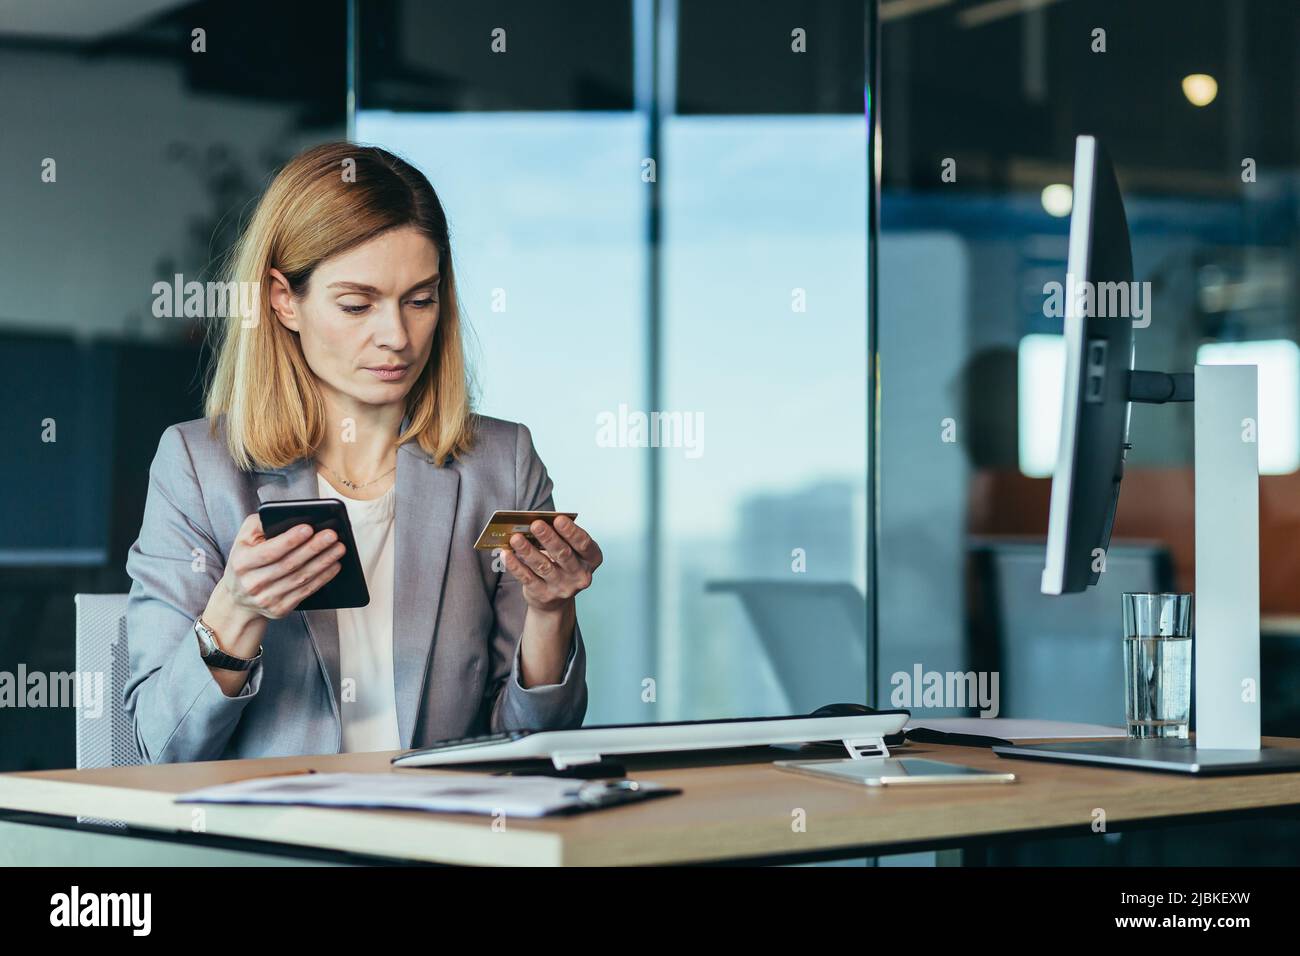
(214, 656)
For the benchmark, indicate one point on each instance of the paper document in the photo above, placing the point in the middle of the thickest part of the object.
(460, 793)
(1014, 728)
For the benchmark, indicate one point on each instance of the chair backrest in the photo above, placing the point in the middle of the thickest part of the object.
(1058, 658)
(815, 635)
(105, 739)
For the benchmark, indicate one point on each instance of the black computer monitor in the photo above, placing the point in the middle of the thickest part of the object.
(1098, 360)
(1100, 381)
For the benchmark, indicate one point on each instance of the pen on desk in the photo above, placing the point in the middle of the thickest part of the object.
(282, 773)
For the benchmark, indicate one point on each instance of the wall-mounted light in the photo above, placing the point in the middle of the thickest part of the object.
(1058, 199)
(1039, 389)
(1200, 89)
(1278, 361)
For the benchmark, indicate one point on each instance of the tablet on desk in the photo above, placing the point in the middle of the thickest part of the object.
(894, 771)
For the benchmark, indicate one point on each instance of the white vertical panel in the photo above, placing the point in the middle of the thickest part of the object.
(1227, 557)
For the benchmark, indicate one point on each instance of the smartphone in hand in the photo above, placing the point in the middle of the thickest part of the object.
(348, 587)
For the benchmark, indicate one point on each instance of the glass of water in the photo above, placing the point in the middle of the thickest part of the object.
(1157, 664)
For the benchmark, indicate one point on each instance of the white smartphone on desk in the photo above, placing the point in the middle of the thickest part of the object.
(894, 771)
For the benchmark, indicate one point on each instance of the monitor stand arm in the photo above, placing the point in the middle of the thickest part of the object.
(1156, 388)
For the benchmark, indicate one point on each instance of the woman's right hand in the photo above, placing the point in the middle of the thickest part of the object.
(264, 580)
(269, 577)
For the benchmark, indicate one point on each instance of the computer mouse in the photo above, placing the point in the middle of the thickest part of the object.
(844, 710)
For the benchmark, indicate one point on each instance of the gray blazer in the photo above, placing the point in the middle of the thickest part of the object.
(456, 621)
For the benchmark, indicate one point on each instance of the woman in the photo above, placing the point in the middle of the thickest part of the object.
(348, 382)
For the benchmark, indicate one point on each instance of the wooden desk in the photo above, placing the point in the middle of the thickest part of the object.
(736, 811)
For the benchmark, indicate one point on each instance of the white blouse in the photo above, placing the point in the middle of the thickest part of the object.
(368, 691)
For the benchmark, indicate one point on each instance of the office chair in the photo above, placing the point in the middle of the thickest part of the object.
(1058, 657)
(109, 739)
(1279, 699)
(815, 635)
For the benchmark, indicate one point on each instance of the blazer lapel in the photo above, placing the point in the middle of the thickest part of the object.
(290, 483)
(426, 511)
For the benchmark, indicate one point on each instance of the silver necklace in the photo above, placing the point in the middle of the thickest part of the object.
(352, 485)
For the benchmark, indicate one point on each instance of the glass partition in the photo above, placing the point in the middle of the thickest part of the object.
(659, 214)
(1196, 103)
(132, 137)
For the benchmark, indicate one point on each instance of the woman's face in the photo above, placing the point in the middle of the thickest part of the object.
(366, 324)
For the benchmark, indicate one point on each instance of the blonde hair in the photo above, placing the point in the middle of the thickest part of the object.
(327, 200)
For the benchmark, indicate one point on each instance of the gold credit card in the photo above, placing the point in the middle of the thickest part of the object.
(503, 524)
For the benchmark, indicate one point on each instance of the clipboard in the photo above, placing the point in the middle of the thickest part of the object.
(475, 793)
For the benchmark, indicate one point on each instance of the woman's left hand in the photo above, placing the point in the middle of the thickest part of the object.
(552, 578)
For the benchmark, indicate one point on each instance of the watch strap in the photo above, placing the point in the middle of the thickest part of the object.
(214, 656)
(228, 662)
